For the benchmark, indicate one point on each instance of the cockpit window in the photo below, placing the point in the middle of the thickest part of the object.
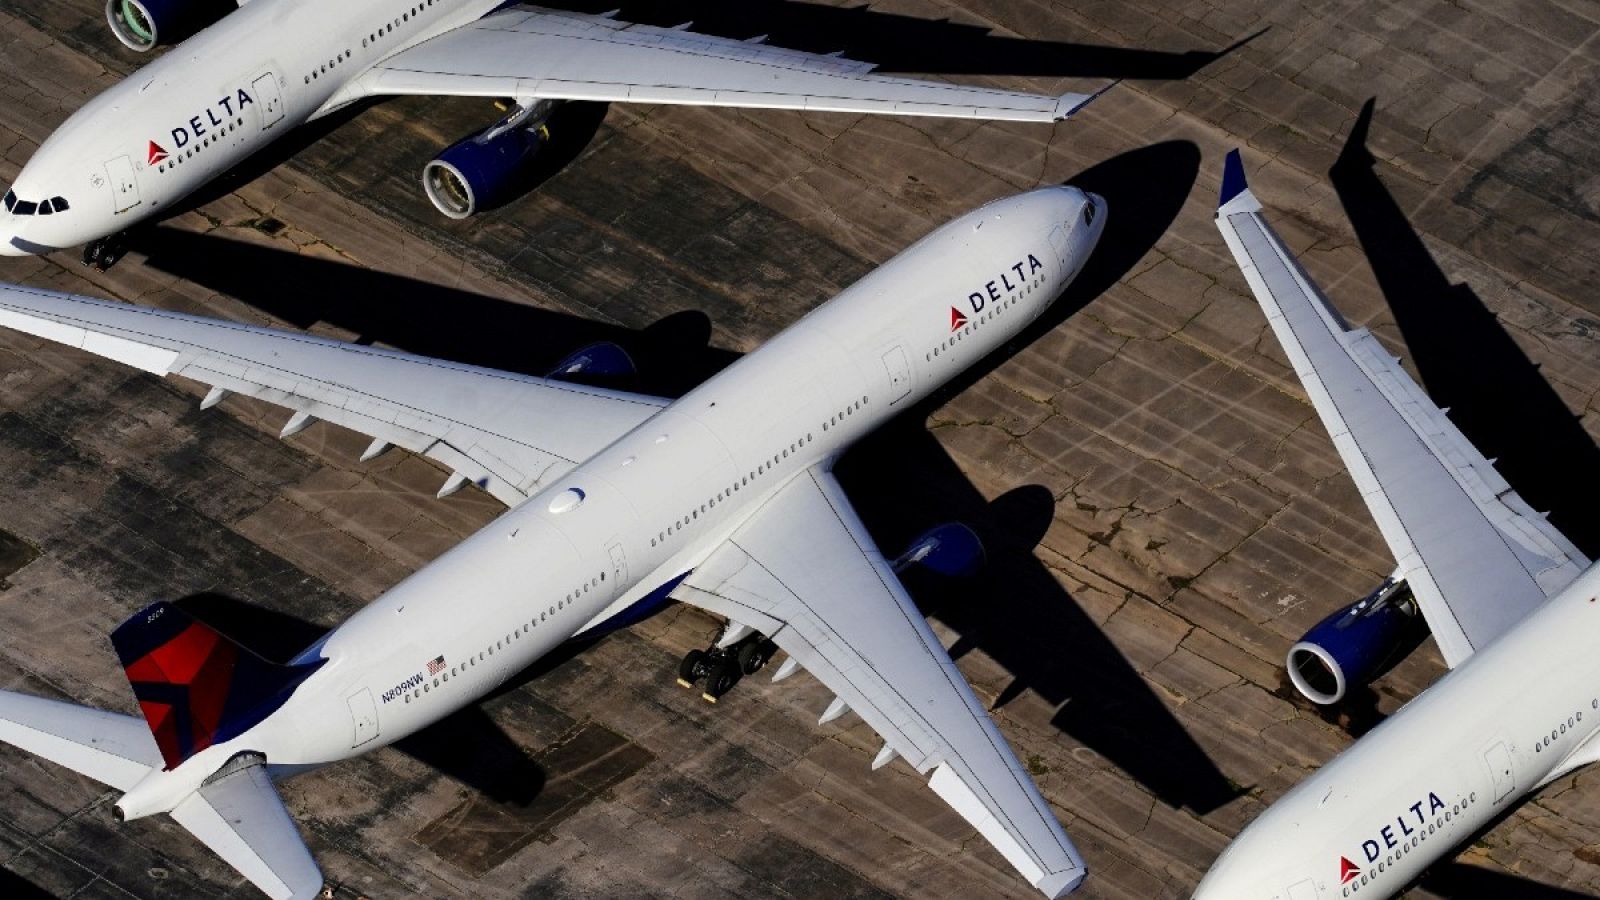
(30, 208)
(1088, 214)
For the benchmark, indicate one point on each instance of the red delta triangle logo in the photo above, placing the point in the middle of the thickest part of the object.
(1347, 870)
(956, 319)
(155, 154)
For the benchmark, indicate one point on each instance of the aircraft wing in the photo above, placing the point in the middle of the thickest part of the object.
(804, 572)
(1476, 556)
(531, 53)
(509, 434)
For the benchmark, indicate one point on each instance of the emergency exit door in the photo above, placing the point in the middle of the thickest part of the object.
(124, 187)
(364, 715)
(269, 101)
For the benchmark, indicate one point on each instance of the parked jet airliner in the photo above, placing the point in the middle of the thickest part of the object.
(169, 128)
(723, 499)
(1509, 599)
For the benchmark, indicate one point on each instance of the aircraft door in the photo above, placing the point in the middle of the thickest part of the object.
(1498, 759)
(1303, 890)
(899, 369)
(124, 187)
(269, 101)
(365, 716)
(619, 567)
(1058, 243)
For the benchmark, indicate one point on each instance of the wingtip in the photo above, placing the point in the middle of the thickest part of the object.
(1061, 884)
(1235, 196)
(1233, 183)
(1068, 104)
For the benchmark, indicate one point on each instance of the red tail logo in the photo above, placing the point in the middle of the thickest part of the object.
(1347, 870)
(155, 154)
(956, 319)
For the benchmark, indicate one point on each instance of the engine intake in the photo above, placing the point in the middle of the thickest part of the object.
(1355, 644)
(479, 171)
(143, 24)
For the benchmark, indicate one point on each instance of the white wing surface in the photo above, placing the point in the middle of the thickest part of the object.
(507, 433)
(804, 571)
(111, 748)
(242, 819)
(1476, 556)
(530, 53)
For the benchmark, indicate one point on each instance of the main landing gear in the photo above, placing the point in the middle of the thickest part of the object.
(103, 253)
(731, 657)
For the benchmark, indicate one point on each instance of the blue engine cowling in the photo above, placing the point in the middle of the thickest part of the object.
(949, 549)
(142, 24)
(478, 172)
(1355, 644)
(603, 359)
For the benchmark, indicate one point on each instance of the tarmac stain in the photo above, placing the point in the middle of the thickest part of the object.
(583, 764)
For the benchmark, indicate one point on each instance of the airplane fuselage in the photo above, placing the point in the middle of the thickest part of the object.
(206, 105)
(658, 501)
(1513, 717)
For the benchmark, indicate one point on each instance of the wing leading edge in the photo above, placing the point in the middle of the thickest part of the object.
(531, 53)
(1476, 556)
(507, 433)
(804, 572)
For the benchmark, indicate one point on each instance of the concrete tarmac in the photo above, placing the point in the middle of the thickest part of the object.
(1165, 515)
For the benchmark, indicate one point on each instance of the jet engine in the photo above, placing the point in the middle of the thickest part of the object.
(478, 171)
(950, 549)
(142, 24)
(602, 359)
(1355, 644)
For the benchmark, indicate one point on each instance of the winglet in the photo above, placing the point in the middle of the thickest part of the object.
(1235, 196)
(1079, 101)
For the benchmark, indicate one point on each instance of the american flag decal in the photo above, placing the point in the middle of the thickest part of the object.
(436, 666)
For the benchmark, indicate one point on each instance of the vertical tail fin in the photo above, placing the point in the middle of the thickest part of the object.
(194, 685)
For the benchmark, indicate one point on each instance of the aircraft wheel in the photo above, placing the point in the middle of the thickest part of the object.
(692, 668)
(720, 679)
(754, 656)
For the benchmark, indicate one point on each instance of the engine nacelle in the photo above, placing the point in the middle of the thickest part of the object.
(949, 549)
(479, 171)
(1355, 644)
(143, 24)
(601, 359)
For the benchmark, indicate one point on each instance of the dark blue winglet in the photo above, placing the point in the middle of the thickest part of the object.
(1232, 178)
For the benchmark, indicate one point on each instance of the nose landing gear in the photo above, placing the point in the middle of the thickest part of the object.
(103, 253)
(721, 667)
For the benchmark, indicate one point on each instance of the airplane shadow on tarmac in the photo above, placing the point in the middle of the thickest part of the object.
(1466, 361)
(901, 479)
(1459, 881)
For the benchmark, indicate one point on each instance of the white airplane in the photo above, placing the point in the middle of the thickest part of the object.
(723, 499)
(172, 126)
(1509, 599)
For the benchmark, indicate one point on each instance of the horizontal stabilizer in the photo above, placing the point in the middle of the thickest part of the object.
(111, 748)
(242, 819)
